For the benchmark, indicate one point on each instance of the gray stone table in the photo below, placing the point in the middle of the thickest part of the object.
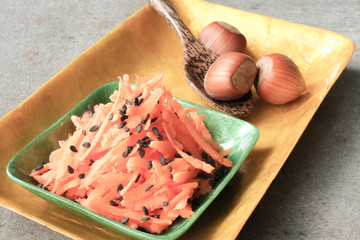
(307, 200)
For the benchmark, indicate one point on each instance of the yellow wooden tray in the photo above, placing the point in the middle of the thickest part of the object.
(145, 45)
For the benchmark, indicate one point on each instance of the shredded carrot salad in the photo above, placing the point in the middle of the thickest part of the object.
(141, 159)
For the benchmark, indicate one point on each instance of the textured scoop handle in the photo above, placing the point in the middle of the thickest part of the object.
(191, 46)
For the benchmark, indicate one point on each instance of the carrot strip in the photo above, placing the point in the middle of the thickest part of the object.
(138, 159)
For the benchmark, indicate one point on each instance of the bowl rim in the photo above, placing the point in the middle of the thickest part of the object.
(112, 224)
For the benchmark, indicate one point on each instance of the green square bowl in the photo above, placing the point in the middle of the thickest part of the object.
(226, 130)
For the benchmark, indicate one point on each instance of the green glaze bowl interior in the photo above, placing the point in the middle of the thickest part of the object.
(226, 130)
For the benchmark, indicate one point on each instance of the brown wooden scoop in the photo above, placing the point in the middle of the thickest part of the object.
(198, 60)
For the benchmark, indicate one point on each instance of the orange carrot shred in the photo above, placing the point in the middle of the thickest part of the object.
(137, 159)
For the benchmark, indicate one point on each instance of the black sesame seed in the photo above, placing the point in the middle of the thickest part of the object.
(143, 229)
(204, 155)
(145, 138)
(113, 203)
(177, 115)
(124, 220)
(209, 159)
(121, 125)
(145, 219)
(153, 120)
(126, 153)
(146, 143)
(91, 110)
(155, 216)
(123, 118)
(119, 198)
(141, 152)
(188, 153)
(145, 119)
(170, 170)
(136, 100)
(126, 129)
(149, 164)
(91, 162)
(127, 102)
(89, 107)
(137, 178)
(73, 148)
(81, 176)
(148, 188)
(122, 112)
(165, 203)
(145, 210)
(155, 130)
(139, 128)
(70, 169)
(177, 155)
(94, 128)
(39, 167)
(140, 101)
(162, 160)
(139, 95)
(160, 137)
(86, 144)
(130, 148)
(120, 187)
(110, 117)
